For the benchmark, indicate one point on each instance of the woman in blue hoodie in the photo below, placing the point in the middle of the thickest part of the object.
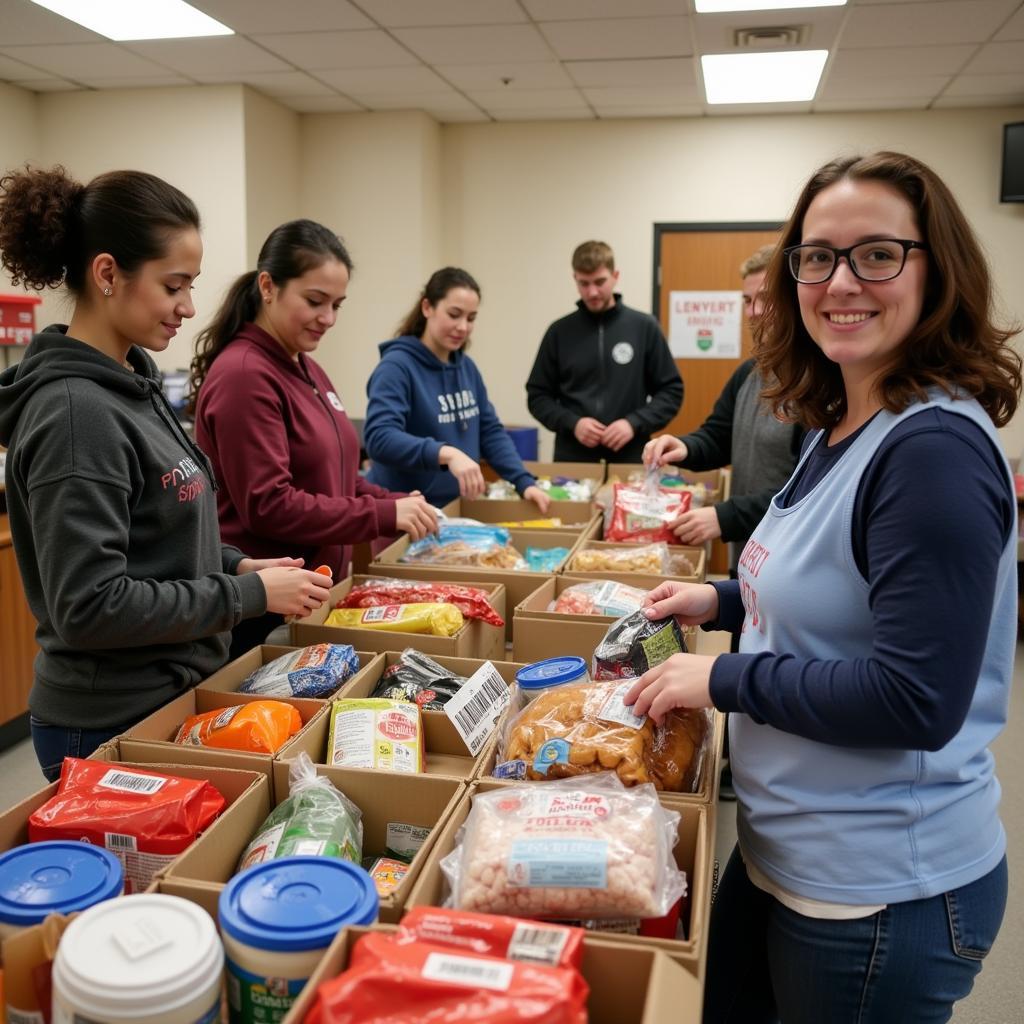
(428, 420)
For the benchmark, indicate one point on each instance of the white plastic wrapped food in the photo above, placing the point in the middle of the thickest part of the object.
(588, 848)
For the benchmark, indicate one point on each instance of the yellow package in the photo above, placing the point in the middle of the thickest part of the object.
(440, 619)
(534, 524)
(374, 732)
(387, 873)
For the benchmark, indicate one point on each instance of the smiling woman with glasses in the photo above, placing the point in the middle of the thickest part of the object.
(877, 645)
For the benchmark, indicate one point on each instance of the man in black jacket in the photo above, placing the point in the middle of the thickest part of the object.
(604, 379)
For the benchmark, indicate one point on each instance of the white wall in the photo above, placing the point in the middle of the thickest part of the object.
(519, 197)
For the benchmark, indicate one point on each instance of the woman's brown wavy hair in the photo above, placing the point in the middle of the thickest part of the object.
(956, 345)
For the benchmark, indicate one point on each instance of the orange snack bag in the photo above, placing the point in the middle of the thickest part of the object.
(260, 727)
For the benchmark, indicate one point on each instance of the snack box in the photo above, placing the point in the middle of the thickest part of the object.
(697, 557)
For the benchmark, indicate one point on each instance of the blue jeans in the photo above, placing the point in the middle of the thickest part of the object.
(907, 964)
(54, 742)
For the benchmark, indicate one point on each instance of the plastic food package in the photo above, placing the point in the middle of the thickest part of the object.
(432, 619)
(649, 558)
(144, 817)
(501, 490)
(458, 544)
(259, 727)
(312, 672)
(508, 938)
(545, 559)
(635, 643)
(668, 477)
(471, 601)
(375, 733)
(582, 728)
(533, 524)
(387, 874)
(589, 848)
(418, 679)
(599, 597)
(567, 488)
(391, 982)
(642, 514)
(314, 820)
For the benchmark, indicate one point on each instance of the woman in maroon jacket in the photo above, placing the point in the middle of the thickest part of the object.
(285, 454)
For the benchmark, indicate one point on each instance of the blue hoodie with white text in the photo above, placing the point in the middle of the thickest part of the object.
(417, 404)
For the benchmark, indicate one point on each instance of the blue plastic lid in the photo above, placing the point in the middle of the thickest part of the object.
(55, 877)
(297, 903)
(551, 672)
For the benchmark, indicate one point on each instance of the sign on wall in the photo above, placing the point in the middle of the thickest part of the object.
(705, 325)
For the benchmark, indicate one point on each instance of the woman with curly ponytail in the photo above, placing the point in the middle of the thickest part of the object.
(112, 507)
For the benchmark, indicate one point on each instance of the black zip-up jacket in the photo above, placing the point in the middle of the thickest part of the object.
(611, 365)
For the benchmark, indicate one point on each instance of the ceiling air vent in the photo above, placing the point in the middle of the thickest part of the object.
(769, 37)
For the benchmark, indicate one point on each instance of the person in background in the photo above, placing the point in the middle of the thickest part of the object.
(604, 379)
(112, 507)
(428, 419)
(273, 424)
(876, 660)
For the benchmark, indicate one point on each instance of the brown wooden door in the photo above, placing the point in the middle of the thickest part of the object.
(704, 258)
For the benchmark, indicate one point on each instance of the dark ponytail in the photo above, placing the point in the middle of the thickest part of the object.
(51, 226)
(289, 251)
(440, 284)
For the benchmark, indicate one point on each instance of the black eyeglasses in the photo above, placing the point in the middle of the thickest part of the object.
(881, 260)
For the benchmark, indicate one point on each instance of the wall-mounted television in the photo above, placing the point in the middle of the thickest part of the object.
(1012, 188)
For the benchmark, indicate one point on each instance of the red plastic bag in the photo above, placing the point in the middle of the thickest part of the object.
(388, 982)
(471, 601)
(510, 938)
(641, 514)
(143, 817)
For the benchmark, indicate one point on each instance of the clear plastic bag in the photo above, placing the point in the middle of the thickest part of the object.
(642, 514)
(653, 559)
(471, 601)
(589, 848)
(545, 559)
(488, 546)
(599, 597)
(315, 671)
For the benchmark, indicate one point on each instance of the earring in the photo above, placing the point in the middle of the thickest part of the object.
(107, 292)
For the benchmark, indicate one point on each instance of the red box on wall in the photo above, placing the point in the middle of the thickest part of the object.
(17, 318)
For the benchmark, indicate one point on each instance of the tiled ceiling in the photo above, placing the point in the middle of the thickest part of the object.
(513, 60)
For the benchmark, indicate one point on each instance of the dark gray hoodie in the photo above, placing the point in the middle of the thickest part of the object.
(114, 522)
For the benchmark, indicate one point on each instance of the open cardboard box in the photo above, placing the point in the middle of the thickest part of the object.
(519, 584)
(445, 753)
(596, 471)
(476, 639)
(538, 633)
(516, 510)
(694, 854)
(386, 801)
(153, 737)
(716, 481)
(696, 556)
(628, 984)
(234, 673)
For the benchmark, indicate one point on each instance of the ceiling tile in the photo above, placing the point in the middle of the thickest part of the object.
(11, 69)
(321, 104)
(896, 87)
(997, 58)
(547, 75)
(900, 60)
(987, 85)
(475, 44)
(654, 110)
(73, 60)
(950, 102)
(585, 10)
(48, 85)
(555, 99)
(897, 103)
(737, 109)
(385, 81)
(715, 33)
(195, 57)
(28, 24)
(102, 82)
(666, 71)
(278, 83)
(619, 37)
(251, 16)
(1013, 29)
(539, 114)
(445, 116)
(638, 97)
(923, 24)
(406, 101)
(313, 51)
(406, 13)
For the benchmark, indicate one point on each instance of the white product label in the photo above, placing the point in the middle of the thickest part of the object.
(613, 599)
(309, 847)
(262, 847)
(131, 782)
(613, 709)
(476, 708)
(141, 938)
(537, 945)
(118, 842)
(225, 716)
(464, 970)
(405, 840)
(558, 863)
(353, 739)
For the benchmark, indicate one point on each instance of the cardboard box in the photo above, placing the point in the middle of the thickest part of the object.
(715, 480)
(153, 737)
(234, 673)
(694, 854)
(628, 984)
(518, 584)
(476, 639)
(419, 801)
(489, 510)
(596, 471)
(696, 556)
(445, 752)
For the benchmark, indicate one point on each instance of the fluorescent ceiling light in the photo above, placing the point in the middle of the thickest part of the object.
(721, 6)
(138, 19)
(780, 77)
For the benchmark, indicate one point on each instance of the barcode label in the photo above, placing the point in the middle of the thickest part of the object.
(476, 708)
(117, 842)
(463, 970)
(130, 782)
(537, 945)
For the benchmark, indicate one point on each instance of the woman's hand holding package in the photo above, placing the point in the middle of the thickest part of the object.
(294, 591)
(540, 498)
(697, 525)
(691, 603)
(465, 470)
(683, 681)
(415, 516)
(663, 450)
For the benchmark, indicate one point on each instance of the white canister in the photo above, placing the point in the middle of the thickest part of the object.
(145, 959)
